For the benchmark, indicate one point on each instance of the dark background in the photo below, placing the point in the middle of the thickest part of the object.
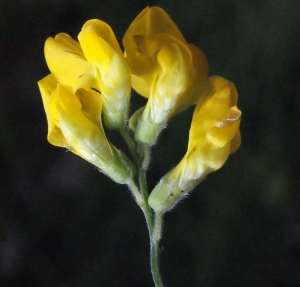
(62, 223)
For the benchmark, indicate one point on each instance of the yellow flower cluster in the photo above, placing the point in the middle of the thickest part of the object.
(92, 78)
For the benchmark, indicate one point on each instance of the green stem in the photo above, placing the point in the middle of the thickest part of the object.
(155, 229)
(146, 160)
(143, 183)
(130, 143)
(155, 250)
(135, 192)
(141, 156)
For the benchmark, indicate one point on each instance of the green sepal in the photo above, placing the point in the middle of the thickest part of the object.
(133, 121)
(165, 195)
(114, 120)
(147, 130)
(121, 170)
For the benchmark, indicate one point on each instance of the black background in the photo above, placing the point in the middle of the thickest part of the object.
(62, 223)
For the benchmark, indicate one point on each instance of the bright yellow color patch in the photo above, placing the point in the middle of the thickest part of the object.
(67, 62)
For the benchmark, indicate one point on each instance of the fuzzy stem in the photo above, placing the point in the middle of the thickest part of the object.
(141, 156)
(155, 250)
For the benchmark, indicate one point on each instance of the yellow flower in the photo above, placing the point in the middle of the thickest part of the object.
(95, 63)
(165, 69)
(74, 122)
(214, 134)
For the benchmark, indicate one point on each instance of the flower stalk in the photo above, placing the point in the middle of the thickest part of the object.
(154, 220)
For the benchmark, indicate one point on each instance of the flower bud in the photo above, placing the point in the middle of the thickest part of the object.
(214, 134)
(74, 122)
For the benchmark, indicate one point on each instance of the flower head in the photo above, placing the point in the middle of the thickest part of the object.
(74, 122)
(95, 63)
(214, 134)
(165, 69)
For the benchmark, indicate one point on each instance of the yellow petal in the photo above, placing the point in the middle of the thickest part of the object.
(96, 49)
(47, 88)
(201, 161)
(114, 79)
(55, 135)
(226, 129)
(171, 82)
(235, 142)
(145, 61)
(140, 86)
(65, 59)
(81, 134)
(47, 85)
(142, 59)
(115, 74)
(221, 95)
(194, 93)
(91, 103)
(151, 21)
(104, 31)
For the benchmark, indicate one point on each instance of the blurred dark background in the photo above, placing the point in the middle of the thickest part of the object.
(62, 223)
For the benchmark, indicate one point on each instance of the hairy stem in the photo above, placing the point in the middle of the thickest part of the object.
(141, 156)
(155, 250)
